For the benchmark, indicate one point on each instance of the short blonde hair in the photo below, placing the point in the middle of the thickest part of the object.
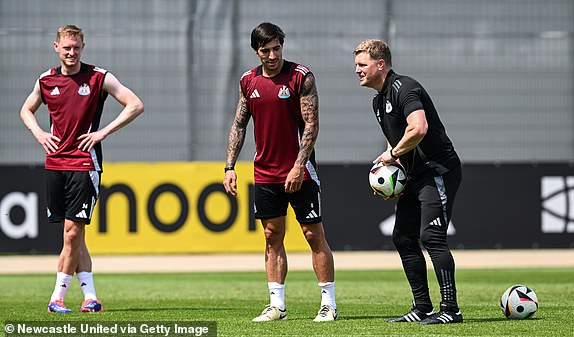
(70, 31)
(377, 50)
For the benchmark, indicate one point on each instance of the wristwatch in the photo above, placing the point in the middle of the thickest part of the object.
(229, 168)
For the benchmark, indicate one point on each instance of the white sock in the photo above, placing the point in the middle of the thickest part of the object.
(62, 284)
(277, 295)
(328, 294)
(87, 284)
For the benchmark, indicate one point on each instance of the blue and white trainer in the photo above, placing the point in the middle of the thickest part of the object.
(58, 306)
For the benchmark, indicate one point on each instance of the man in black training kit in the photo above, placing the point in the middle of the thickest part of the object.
(416, 138)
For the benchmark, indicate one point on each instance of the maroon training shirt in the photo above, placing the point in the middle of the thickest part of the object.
(75, 105)
(276, 110)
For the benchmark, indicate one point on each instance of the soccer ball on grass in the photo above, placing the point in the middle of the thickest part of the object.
(519, 302)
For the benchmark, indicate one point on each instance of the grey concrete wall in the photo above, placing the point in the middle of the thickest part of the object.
(501, 73)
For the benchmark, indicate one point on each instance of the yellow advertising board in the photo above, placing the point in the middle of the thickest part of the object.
(178, 208)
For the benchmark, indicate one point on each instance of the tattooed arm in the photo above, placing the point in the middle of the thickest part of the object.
(235, 142)
(310, 113)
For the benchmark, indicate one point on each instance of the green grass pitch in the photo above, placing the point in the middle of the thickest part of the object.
(365, 299)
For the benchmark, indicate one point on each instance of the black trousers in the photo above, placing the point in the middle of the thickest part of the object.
(422, 217)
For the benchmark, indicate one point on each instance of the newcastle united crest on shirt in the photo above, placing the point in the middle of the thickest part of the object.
(284, 92)
(388, 107)
(84, 90)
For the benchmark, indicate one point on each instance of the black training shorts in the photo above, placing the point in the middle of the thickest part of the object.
(72, 195)
(271, 201)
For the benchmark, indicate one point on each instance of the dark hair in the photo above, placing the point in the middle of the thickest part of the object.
(264, 33)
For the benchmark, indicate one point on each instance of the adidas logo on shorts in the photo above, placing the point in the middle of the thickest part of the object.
(82, 215)
(312, 215)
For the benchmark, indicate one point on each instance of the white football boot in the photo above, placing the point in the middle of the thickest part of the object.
(326, 313)
(271, 314)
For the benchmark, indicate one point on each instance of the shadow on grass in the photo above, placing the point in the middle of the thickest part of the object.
(349, 318)
(492, 319)
(167, 309)
(386, 318)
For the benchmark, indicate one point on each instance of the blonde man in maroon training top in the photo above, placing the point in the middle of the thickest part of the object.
(281, 96)
(74, 94)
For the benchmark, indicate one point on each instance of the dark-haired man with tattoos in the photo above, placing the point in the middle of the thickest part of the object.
(281, 96)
